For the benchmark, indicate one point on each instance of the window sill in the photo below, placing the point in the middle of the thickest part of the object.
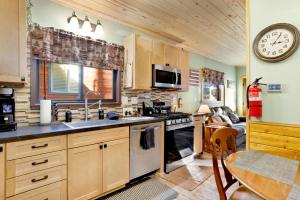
(77, 105)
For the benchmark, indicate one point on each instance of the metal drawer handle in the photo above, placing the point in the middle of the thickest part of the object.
(39, 163)
(41, 179)
(36, 147)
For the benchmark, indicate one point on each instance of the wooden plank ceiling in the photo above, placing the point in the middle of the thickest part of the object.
(212, 28)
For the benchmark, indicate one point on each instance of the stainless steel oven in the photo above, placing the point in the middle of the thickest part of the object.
(179, 145)
(166, 77)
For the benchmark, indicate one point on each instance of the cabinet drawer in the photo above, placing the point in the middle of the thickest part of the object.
(34, 180)
(55, 191)
(34, 147)
(94, 137)
(35, 163)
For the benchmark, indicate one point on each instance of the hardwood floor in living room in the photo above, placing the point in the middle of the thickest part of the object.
(207, 190)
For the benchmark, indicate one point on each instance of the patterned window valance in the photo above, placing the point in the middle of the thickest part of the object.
(60, 46)
(213, 76)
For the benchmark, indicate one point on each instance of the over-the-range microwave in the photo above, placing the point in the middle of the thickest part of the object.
(166, 77)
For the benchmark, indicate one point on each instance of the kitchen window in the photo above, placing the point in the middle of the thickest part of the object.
(69, 84)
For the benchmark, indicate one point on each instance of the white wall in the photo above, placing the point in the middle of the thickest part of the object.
(277, 107)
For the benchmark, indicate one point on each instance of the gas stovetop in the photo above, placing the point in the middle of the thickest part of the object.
(171, 115)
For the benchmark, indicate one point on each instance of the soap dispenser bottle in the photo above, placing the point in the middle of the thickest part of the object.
(100, 111)
(68, 117)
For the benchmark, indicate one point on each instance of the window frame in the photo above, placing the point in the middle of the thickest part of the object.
(78, 103)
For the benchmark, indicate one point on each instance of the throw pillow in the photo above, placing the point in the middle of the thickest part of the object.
(219, 111)
(233, 117)
(226, 119)
(216, 118)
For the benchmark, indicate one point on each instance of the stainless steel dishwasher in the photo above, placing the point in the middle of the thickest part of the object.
(144, 161)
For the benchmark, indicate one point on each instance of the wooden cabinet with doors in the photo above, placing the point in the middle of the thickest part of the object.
(198, 134)
(85, 172)
(138, 71)
(158, 50)
(115, 164)
(98, 162)
(184, 66)
(171, 56)
(13, 41)
(2, 172)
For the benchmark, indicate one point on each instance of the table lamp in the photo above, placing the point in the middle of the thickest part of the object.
(204, 109)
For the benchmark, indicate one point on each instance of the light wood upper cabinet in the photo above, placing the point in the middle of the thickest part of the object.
(84, 172)
(115, 164)
(171, 56)
(185, 69)
(137, 72)
(12, 41)
(2, 172)
(158, 50)
(143, 70)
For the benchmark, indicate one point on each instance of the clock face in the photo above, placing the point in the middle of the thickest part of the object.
(275, 43)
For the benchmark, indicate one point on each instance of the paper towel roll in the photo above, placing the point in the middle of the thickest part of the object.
(45, 111)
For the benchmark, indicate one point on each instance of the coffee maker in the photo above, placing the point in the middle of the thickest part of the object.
(7, 109)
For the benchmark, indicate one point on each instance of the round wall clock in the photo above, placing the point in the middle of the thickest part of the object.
(276, 42)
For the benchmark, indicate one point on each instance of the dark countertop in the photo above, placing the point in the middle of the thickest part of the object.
(55, 129)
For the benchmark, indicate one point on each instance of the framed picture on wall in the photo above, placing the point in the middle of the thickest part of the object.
(213, 90)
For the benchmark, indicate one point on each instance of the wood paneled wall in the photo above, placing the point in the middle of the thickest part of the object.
(275, 138)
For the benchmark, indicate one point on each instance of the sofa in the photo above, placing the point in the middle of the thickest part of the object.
(225, 116)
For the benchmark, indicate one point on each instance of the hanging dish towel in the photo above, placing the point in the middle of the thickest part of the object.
(147, 138)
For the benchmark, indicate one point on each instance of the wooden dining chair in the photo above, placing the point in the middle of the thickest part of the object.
(223, 143)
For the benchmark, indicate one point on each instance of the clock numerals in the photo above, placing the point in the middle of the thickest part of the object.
(274, 33)
(274, 53)
(287, 40)
(280, 51)
(285, 46)
(264, 40)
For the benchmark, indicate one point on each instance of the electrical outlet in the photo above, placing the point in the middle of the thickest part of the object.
(129, 109)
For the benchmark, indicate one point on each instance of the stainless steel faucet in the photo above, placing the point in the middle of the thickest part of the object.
(86, 106)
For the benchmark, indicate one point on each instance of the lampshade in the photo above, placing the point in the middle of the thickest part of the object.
(204, 109)
(99, 29)
(86, 27)
(73, 22)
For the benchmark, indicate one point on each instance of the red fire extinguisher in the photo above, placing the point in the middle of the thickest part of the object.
(254, 99)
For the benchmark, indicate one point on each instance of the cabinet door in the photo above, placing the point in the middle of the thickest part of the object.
(12, 40)
(198, 141)
(2, 171)
(84, 172)
(142, 68)
(171, 56)
(157, 52)
(129, 44)
(185, 69)
(115, 164)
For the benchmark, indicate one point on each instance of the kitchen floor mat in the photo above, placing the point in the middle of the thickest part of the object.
(151, 189)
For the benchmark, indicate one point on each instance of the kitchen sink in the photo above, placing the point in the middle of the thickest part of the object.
(93, 123)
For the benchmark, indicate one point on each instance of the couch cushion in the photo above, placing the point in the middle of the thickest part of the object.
(240, 127)
(226, 119)
(233, 117)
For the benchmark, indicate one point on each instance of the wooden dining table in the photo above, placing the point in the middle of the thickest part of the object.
(269, 176)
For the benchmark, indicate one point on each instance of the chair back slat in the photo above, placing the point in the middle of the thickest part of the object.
(223, 142)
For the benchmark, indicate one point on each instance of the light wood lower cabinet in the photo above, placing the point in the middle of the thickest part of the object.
(55, 191)
(198, 135)
(85, 172)
(2, 172)
(98, 168)
(35, 180)
(115, 164)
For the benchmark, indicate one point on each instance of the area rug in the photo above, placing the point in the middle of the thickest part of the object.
(189, 177)
(149, 189)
